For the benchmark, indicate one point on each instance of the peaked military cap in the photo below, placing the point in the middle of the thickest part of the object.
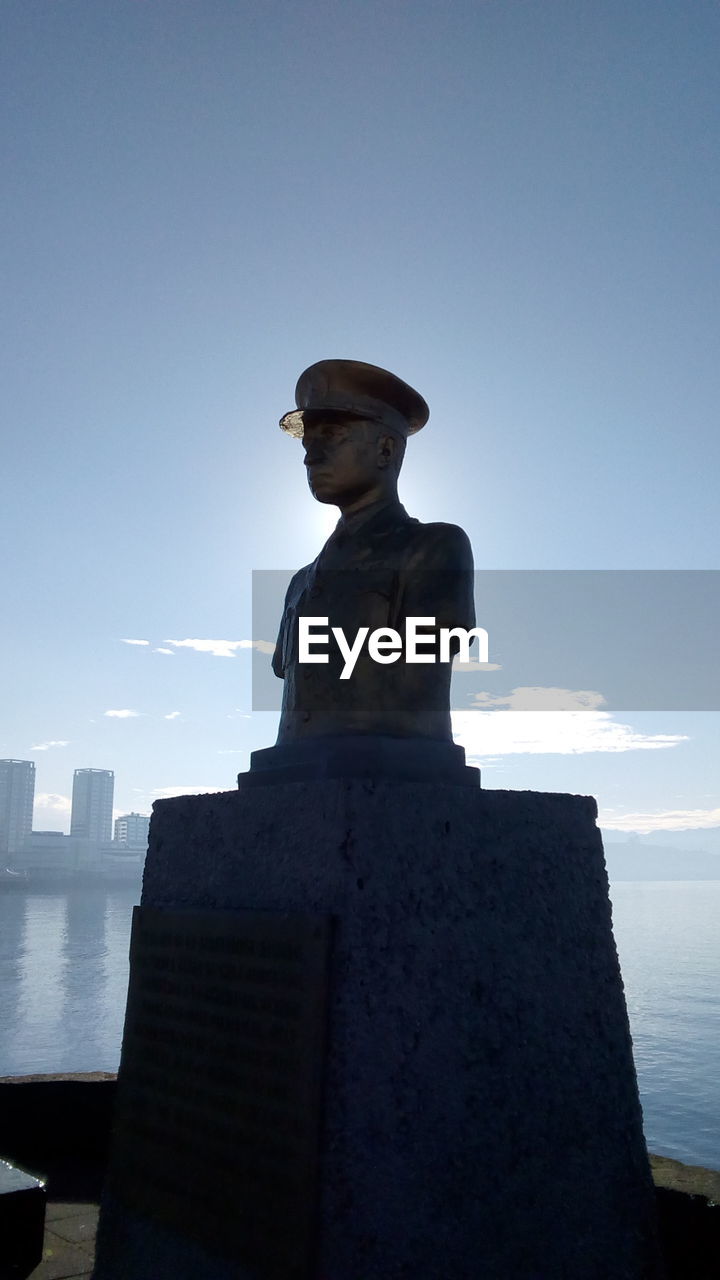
(358, 390)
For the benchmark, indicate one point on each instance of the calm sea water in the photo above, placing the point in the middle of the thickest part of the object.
(668, 940)
(64, 971)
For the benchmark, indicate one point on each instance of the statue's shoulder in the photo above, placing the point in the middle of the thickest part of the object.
(437, 531)
(440, 543)
(298, 583)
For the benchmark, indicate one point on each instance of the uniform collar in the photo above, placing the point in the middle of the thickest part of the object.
(347, 526)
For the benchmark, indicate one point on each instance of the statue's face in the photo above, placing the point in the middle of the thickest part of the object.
(341, 456)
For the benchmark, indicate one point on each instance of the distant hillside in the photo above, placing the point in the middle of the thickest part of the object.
(638, 859)
(697, 839)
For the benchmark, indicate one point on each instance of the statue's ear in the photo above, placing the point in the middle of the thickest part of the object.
(390, 451)
(386, 450)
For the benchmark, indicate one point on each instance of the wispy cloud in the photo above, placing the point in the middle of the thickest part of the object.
(473, 665)
(218, 648)
(45, 746)
(540, 698)
(124, 641)
(223, 648)
(501, 733)
(668, 820)
(123, 714)
(169, 652)
(172, 715)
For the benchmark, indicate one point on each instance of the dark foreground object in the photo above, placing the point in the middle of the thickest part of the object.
(60, 1127)
(690, 1235)
(688, 1201)
(22, 1222)
(688, 1198)
(479, 1114)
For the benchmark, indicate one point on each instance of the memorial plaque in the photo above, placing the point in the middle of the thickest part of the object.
(219, 1090)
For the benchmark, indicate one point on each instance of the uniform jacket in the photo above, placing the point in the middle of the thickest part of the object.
(376, 569)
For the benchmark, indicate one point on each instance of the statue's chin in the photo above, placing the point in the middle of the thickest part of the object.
(324, 492)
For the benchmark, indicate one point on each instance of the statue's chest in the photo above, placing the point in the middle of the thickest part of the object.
(350, 597)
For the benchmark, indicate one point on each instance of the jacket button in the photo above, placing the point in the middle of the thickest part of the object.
(306, 716)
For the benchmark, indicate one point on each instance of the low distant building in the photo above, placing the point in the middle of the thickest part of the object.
(51, 857)
(132, 829)
(53, 854)
(121, 861)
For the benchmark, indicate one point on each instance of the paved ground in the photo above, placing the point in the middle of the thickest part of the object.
(69, 1246)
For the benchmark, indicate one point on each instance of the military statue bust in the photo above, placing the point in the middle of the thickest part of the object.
(378, 569)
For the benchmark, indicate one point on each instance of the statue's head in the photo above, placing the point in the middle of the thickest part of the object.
(354, 420)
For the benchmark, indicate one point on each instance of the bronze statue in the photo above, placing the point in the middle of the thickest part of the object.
(379, 568)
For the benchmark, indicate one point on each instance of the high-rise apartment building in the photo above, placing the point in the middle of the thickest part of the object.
(132, 829)
(17, 793)
(92, 803)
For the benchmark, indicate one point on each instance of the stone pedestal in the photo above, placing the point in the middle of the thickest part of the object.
(479, 1116)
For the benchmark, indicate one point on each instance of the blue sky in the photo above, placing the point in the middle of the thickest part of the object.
(514, 206)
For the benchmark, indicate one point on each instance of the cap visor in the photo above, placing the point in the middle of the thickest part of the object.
(293, 423)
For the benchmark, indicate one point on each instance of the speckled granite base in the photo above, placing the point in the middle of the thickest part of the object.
(481, 1117)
